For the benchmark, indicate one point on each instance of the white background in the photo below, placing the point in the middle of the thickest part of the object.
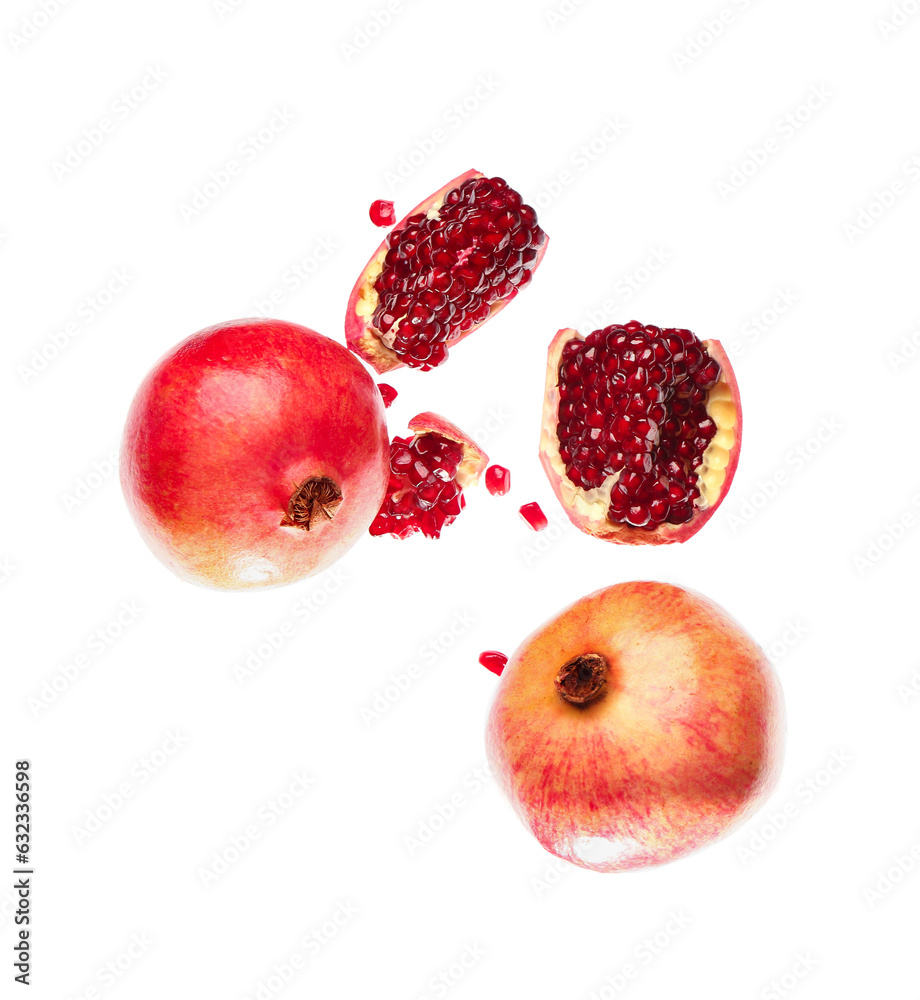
(803, 552)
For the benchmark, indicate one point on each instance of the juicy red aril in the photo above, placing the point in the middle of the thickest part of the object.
(498, 480)
(479, 249)
(382, 213)
(633, 402)
(388, 393)
(423, 493)
(534, 516)
(492, 660)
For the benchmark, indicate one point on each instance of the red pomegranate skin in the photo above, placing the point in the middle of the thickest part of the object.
(683, 745)
(222, 432)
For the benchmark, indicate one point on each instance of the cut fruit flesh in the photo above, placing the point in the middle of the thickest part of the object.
(455, 261)
(641, 431)
(428, 473)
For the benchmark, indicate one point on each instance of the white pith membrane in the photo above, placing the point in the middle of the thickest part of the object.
(592, 505)
(471, 465)
(369, 297)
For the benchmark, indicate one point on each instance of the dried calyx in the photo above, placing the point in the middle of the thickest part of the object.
(583, 678)
(313, 503)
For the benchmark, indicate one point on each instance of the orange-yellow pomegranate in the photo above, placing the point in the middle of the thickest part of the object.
(636, 726)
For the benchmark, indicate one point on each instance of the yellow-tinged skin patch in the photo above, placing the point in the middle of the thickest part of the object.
(683, 743)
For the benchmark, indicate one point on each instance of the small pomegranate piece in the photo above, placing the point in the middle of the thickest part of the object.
(382, 213)
(492, 660)
(641, 431)
(255, 454)
(498, 480)
(428, 474)
(534, 516)
(388, 393)
(635, 727)
(450, 265)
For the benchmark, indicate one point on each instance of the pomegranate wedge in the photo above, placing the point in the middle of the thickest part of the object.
(456, 260)
(641, 431)
(428, 473)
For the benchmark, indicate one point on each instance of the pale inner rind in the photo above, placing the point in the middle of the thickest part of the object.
(724, 414)
(369, 298)
(592, 505)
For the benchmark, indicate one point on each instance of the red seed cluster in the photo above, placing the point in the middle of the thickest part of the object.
(423, 493)
(633, 401)
(442, 276)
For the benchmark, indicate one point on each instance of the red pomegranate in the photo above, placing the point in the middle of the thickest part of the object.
(255, 454)
(428, 474)
(636, 726)
(641, 431)
(455, 260)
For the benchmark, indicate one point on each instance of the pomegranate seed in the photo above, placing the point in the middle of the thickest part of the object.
(492, 660)
(534, 516)
(388, 393)
(633, 402)
(481, 248)
(382, 213)
(498, 480)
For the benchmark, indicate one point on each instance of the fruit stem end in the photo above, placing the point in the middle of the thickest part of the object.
(583, 679)
(312, 503)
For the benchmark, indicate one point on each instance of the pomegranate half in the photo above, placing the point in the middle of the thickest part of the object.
(450, 265)
(636, 726)
(641, 431)
(255, 454)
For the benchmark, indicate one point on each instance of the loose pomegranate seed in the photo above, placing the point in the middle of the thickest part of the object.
(633, 404)
(443, 274)
(492, 660)
(423, 493)
(382, 213)
(498, 480)
(388, 393)
(534, 516)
